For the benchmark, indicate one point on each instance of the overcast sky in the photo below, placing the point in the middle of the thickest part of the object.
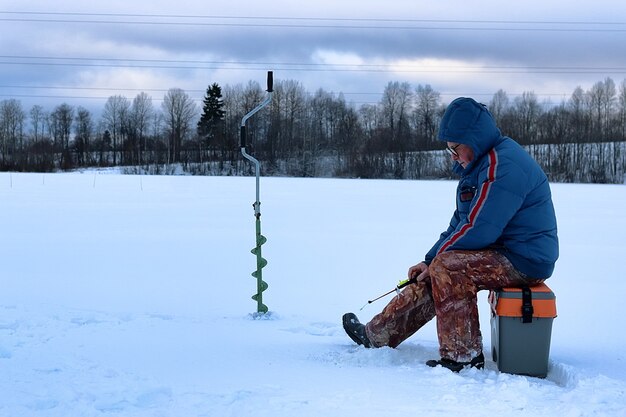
(83, 52)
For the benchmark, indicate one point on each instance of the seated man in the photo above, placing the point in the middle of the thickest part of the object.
(502, 233)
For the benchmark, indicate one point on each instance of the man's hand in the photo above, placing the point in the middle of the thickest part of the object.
(419, 272)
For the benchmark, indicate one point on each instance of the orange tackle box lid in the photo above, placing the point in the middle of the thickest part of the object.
(507, 302)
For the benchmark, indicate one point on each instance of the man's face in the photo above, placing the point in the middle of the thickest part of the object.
(463, 154)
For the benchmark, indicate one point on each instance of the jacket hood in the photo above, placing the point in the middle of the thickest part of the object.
(470, 123)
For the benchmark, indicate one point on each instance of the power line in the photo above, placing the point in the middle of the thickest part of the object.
(200, 99)
(286, 67)
(294, 66)
(294, 26)
(318, 18)
(57, 87)
(162, 90)
(363, 23)
(104, 98)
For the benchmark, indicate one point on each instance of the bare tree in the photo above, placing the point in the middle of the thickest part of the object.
(577, 105)
(622, 109)
(395, 103)
(179, 111)
(293, 115)
(115, 117)
(141, 114)
(582, 139)
(12, 118)
(610, 99)
(602, 98)
(233, 112)
(348, 136)
(622, 124)
(37, 120)
(84, 132)
(499, 105)
(61, 120)
(425, 113)
(369, 117)
(157, 135)
(527, 111)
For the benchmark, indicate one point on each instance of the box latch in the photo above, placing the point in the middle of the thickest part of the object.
(527, 305)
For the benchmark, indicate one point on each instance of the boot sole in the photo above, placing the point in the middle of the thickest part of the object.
(347, 322)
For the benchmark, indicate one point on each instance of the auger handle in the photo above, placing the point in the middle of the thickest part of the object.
(270, 89)
(270, 81)
(242, 137)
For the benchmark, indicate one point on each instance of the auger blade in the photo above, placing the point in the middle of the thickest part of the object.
(260, 264)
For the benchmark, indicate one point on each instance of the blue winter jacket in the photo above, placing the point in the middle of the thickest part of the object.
(503, 196)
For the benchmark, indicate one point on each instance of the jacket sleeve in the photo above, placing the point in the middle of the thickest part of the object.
(502, 190)
(451, 228)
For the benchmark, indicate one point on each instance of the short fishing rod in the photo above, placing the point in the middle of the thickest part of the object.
(400, 285)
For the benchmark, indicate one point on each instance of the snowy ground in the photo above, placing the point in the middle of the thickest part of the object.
(130, 296)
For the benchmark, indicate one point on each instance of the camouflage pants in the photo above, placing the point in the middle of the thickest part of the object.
(450, 294)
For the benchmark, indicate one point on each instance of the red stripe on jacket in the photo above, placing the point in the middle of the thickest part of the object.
(482, 197)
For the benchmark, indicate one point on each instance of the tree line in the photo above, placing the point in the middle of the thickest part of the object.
(581, 139)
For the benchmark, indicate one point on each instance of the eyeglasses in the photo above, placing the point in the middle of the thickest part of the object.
(452, 150)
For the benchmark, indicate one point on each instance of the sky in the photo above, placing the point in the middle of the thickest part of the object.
(83, 52)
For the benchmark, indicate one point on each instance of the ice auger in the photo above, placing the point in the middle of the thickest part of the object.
(260, 239)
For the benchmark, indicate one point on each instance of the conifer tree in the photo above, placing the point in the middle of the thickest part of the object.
(212, 113)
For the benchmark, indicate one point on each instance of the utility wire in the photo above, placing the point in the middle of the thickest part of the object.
(335, 23)
(299, 67)
(351, 19)
(164, 90)
(318, 18)
(390, 67)
(200, 99)
(317, 26)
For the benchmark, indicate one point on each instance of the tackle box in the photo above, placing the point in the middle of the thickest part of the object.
(521, 329)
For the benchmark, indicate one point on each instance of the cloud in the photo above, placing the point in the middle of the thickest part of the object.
(351, 46)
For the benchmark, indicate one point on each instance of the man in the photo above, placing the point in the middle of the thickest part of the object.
(502, 233)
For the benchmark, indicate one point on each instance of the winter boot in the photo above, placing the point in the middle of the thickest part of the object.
(478, 362)
(355, 329)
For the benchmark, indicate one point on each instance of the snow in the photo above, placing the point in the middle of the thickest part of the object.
(130, 296)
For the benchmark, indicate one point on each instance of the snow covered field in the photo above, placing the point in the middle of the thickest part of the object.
(130, 296)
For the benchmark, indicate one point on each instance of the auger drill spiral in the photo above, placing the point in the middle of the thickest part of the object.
(260, 239)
